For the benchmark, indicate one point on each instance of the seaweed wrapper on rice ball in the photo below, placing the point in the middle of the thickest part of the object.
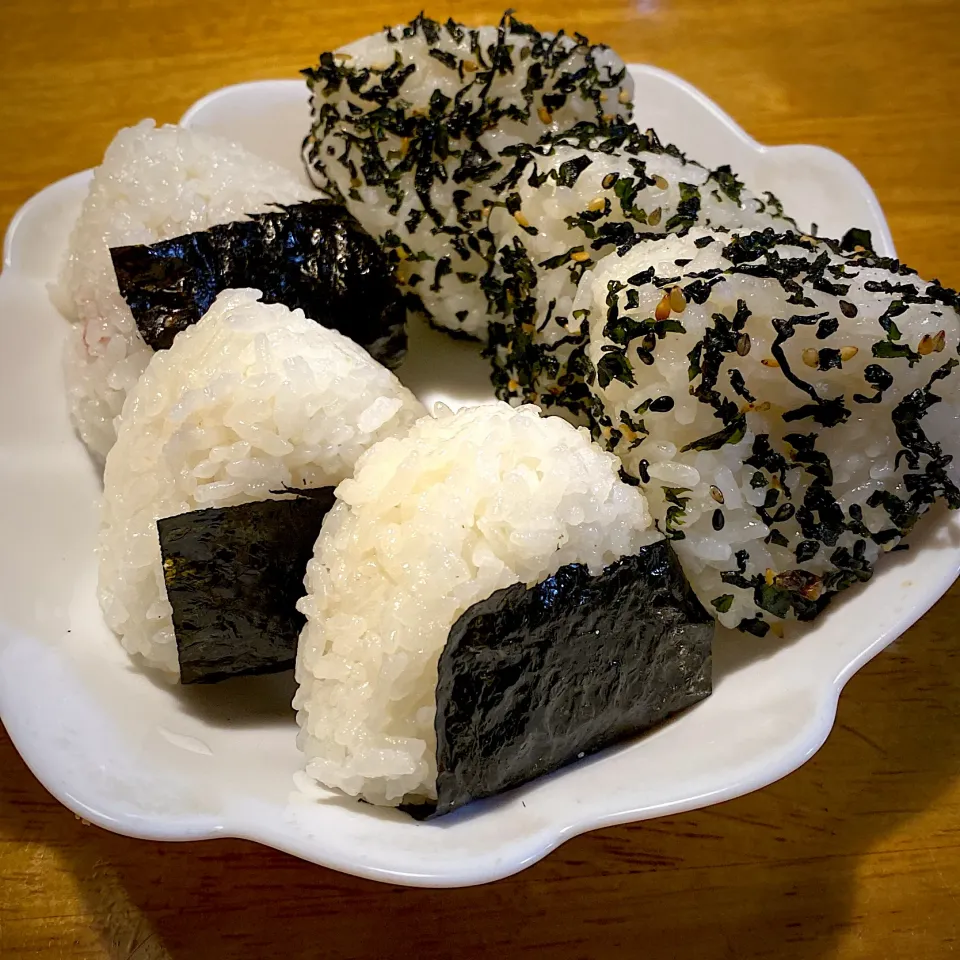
(789, 407)
(491, 519)
(233, 576)
(533, 679)
(310, 256)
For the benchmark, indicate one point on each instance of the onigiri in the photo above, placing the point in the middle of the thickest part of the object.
(431, 523)
(154, 183)
(787, 406)
(253, 399)
(570, 201)
(413, 127)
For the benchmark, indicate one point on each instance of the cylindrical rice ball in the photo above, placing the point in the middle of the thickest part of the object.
(577, 197)
(770, 395)
(408, 129)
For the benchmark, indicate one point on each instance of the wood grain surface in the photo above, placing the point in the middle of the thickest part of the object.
(857, 854)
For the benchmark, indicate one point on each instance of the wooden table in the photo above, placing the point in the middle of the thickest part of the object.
(855, 855)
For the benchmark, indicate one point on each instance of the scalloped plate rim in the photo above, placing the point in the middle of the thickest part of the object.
(542, 842)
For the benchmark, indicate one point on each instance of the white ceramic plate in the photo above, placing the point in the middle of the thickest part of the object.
(141, 758)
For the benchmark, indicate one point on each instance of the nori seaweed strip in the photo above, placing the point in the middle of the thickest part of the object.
(532, 679)
(234, 576)
(856, 237)
(314, 256)
(727, 182)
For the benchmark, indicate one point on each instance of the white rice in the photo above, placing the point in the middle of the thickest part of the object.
(250, 399)
(154, 183)
(440, 116)
(865, 454)
(583, 197)
(431, 523)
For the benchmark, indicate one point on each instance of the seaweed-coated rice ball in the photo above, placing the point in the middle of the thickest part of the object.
(432, 522)
(579, 197)
(789, 408)
(413, 130)
(155, 183)
(252, 398)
